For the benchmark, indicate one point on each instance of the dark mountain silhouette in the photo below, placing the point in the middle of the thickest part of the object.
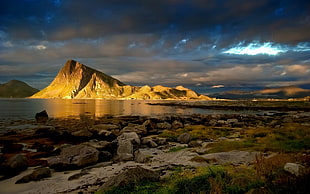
(267, 93)
(16, 89)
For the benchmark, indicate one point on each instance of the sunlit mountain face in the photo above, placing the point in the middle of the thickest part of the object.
(199, 44)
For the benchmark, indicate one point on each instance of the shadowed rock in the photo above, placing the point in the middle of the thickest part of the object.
(74, 157)
(36, 175)
(41, 117)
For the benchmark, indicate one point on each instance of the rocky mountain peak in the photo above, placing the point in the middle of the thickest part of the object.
(76, 80)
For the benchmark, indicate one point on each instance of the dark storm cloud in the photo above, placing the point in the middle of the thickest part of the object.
(158, 42)
(62, 20)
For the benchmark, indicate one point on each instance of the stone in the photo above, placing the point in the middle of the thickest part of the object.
(82, 134)
(15, 165)
(139, 129)
(164, 125)
(125, 150)
(212, 122)
(75, 156)
(131, 175)
(177, 124)
(105, 156)
(232, 121)
(108, 127)
(48, 131)
(149, 142)
(99, 145)
(184, 138)
(149, 125)
(132, 136)
(41, 117)
(140, 157)
(295, 169)
(36, 175)
(234, 157)
(161, 140)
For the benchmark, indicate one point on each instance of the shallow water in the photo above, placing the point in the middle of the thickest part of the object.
(23, 108)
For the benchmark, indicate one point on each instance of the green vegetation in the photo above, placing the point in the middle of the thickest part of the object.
(176, 149)
(291, 137)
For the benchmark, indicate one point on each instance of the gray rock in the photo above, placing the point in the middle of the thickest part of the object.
(15, 165)
(212, 122)
(140, 157)
(177, 124)
(132, 136)
(233, 157)
(131, 175)
(149, 142)
(295, 169)
(164, 125)
(74, 157)
(139, 129)
(161, 140)
(184, 138)
(107, 127)
(82, 134)
(99, 145)
(232, 121)
(36, 175)
(124, 150)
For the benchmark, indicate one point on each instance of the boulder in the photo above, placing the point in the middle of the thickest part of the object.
(99, 145)
(132, 136)
(149, 124)
(75, 156)
(41, 117)
(108, 127)
(177, 124)
(161, 140)
(84, 134)
(131, 175)
(295, 169)
(164, 125)
(36, 175)
(234, 157)
(184, 138)
(232, 121)
(139, 129)
(124, 150)
(16, 164)
(149, 142)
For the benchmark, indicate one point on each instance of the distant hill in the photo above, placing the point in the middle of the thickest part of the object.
(76, 80)
(267, 93)
(16, 89)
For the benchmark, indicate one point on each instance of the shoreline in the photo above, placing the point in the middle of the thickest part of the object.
(158, 143)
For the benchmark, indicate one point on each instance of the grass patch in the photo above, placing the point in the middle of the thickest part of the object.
(176, 149)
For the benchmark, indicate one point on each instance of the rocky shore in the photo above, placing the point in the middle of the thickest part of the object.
(85, 155)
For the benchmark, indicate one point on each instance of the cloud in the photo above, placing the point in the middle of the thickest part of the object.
(298, 70)
(203, 42)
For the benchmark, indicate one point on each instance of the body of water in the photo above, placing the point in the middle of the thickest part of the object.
(24, 108)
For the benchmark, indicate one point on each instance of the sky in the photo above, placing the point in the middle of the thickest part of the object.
(195, 43)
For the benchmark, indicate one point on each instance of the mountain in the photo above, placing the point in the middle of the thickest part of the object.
(285, 92)
(76, 80)
(16, 89)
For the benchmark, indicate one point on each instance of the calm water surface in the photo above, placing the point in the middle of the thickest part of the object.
(62, 108)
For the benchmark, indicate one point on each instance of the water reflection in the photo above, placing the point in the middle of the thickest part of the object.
(99, 108)
(62, 108)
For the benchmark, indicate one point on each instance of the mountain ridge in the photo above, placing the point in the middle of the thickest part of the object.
(76, 80)
(16, 89)
(284, 92)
